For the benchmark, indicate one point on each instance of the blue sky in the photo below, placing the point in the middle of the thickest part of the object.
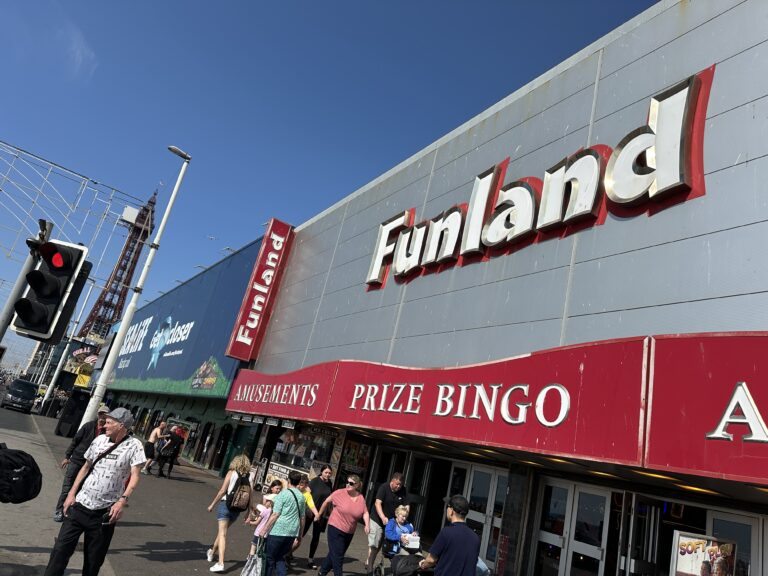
(285, 106)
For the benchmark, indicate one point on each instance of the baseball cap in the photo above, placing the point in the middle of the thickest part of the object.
(459, 504)
(123, 416)
(103, 408)
(270, 497)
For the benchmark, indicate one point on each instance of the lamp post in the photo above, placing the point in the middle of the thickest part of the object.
(125, 321)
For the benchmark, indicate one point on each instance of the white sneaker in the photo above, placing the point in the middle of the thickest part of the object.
(217, 568)
(209, 555)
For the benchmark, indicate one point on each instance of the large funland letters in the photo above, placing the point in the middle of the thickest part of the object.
(654, 166)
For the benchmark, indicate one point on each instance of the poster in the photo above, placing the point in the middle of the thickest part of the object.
(695, 554)
(277, 472)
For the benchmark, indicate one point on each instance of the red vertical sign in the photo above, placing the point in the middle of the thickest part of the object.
(261, 292)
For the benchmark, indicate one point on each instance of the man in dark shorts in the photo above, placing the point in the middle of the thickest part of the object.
(155, 436)
(388, 497)
(457, 547)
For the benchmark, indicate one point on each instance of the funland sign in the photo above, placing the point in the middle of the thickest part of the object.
(654, 166)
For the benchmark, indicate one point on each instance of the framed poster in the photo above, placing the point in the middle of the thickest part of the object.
(697, 555)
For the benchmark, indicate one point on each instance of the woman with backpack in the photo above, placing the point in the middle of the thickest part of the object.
(229, 501)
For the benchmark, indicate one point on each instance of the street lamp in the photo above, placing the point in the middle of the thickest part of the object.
(125, 321)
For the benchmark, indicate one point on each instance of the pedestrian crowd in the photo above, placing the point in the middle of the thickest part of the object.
(104, 463)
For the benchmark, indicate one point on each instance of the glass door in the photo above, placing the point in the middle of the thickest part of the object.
(640, 555)
(417, 481)
(486, 495)
(554, 522)
(486, 490)
(386, 462)
(589, 532)
(573, 530)
(745, 532)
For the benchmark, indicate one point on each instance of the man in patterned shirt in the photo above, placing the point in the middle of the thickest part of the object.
(111, 459)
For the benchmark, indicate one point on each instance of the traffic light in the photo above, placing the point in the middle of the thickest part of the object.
(53, 287)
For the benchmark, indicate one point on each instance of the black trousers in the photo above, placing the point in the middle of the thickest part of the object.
(338, 542)
(69, 478)
(81, 520)
(163, 460)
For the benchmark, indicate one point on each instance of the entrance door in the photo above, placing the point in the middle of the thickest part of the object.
(418, 480)
(573, 530)
(486, 490)
(745, 532)
(386, 462)
(641, 554)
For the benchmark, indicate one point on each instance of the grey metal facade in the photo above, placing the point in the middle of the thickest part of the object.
(698, 266)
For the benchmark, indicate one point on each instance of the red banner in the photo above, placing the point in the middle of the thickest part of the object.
(564, 401)
(708, 397)
(261, 292)
(300, 395)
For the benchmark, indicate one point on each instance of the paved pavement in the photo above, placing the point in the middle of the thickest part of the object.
(165, 530)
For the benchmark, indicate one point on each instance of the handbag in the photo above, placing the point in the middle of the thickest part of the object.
(256, 564)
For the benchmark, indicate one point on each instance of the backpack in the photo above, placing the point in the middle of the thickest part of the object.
(20, 477)
(240, 496)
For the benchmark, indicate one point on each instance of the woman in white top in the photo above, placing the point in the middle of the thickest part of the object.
(225, 517)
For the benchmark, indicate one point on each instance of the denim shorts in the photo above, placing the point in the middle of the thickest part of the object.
(224, 513)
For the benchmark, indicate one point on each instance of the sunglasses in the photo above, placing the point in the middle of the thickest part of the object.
(351, 483)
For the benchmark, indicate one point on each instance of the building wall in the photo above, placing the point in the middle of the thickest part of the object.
(696, 266)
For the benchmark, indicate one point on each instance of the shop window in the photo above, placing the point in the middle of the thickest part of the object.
(298, 449)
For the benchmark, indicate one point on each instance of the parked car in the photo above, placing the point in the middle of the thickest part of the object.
(20, 394)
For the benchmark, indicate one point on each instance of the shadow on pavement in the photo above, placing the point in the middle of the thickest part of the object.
(20, 570)
(26, 550)
(179, 479)
(124, 524)
(166, 551)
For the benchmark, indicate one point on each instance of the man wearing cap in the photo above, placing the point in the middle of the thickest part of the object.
(93, 510)
(74, 458)
(457, 547)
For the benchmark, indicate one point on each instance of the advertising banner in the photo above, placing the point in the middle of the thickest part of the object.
(561, 402)
(708, 396)
(176, 343)
(696, 554)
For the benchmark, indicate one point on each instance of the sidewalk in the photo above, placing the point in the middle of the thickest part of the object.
(164, 532)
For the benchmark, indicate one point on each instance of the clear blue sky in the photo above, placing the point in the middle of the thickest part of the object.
(285, 106)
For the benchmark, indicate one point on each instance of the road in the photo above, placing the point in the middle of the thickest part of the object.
(165, 530)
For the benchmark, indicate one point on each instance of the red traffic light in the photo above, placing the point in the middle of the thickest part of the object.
(53, 287)
(57, 256)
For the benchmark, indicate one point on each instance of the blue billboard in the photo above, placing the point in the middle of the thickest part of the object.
(175, 345)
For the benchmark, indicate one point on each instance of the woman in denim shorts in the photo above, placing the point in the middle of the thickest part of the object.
(224, 516)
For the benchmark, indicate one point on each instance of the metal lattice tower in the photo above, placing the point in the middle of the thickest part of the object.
(109, 305)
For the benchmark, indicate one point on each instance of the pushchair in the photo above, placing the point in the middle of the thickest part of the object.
(400, 564)
(408, 565)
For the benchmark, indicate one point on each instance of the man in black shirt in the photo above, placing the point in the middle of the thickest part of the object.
(74, 458)
(388, 497)
(457, 547)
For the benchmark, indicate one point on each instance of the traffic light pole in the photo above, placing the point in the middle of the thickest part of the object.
(125, 321)
(64, 353)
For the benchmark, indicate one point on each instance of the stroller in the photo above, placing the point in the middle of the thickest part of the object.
(408, 565)
(400, 564)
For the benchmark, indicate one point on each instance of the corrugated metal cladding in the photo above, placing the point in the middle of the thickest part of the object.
(697, 266)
